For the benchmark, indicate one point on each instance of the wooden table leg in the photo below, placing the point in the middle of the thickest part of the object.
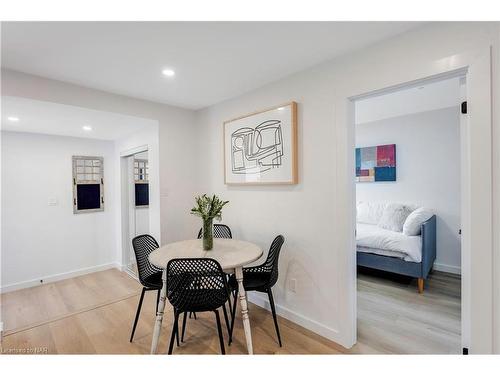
(159, 313)
(244, 308)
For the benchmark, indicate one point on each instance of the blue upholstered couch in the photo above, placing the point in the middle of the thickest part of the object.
(419, 270)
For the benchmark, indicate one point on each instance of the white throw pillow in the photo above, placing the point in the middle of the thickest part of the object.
(413, 223)
(394, 216)
(369, 212)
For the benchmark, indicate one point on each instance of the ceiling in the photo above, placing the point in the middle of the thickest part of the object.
(58, 119)
(422, 98)
(213, 61)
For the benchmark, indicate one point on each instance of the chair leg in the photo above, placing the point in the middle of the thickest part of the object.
(175, 332)
(233, 316)
(183, 326)
(137, 314)
(158, 299)
(273, 310)
(177, 337)
(219, 329)
(224, 310)
(235, 301)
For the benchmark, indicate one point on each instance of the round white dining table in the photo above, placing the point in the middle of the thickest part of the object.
(232, 256)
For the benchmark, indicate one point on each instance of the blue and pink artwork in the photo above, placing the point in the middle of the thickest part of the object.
(375, 164)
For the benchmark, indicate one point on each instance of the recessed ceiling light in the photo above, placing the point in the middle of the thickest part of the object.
(280, 108)
(168, 72)
(87, 128)
(13, 118)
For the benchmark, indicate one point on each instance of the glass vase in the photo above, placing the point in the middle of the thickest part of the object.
(208, 234)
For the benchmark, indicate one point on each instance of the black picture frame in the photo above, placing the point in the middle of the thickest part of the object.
(141, 195)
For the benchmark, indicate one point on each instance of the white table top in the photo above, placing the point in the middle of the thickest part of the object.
(229, 253)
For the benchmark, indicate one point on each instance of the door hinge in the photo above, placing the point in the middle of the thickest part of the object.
(464, 107)
(74, 201)
(102, 200)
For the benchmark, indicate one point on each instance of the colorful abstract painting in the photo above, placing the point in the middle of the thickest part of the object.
(377, 163)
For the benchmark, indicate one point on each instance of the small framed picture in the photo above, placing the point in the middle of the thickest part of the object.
(376, 163)
(261, 148)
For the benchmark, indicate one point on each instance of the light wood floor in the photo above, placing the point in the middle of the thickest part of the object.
(93, 314)
(394, 318)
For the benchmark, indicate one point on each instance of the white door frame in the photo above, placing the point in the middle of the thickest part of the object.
(127, 210)
(477, 234)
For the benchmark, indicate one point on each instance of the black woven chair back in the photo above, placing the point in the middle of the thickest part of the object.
(273, 257)
(270, 266)
(143, 246)
(196, 284)
(220, 231)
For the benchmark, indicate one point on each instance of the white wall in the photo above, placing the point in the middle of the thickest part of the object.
(146, 138)
(177, 135)
(496, 187)
(428, 171)
(303, 213)
(39, 240)
(306, 213)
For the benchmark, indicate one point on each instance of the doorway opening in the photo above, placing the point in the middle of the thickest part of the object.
(409, 160)
(135, 204)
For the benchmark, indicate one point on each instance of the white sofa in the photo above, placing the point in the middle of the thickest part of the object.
(396, 237)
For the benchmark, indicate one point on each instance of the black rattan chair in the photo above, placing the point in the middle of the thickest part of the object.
(260, 279)
(220, 231)
(197, 285)
(149, 275)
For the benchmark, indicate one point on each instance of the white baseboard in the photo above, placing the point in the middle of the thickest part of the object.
(121, 267)
(446, 268)
(301, 320)
(57, 277)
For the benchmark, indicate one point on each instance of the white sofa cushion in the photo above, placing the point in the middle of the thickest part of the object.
(369, 212)
(413, 223)
(394, 216)
(373, 239)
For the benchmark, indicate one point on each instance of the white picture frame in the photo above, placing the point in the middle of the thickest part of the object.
(261, 148)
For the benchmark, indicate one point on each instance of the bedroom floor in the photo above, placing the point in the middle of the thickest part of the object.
(394, 318)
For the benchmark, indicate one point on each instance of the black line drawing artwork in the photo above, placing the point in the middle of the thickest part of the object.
(257, 150)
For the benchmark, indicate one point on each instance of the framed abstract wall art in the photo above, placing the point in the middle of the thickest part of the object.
(261, 148)
(375, 164)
